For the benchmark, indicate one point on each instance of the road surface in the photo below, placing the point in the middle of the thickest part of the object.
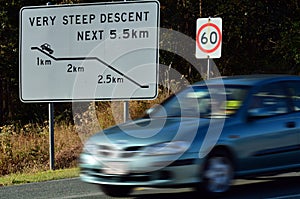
(280, 187)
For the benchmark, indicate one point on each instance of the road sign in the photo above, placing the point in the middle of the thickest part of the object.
(209, 38)
(81, 52)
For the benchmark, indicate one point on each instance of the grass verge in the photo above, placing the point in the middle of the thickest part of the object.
(14, 179)
(24, 149)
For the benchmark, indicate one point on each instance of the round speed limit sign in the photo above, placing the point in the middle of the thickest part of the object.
(209, 38)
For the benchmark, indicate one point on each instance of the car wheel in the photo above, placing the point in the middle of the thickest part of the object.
(217, 173)
(116, 191)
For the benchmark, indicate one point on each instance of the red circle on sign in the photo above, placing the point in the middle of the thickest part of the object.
(198, 34)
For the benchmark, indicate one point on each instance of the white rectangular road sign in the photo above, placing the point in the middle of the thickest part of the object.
(102, 51)
(208, 38)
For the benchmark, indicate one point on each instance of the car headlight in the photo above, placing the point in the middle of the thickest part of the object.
(167, 148)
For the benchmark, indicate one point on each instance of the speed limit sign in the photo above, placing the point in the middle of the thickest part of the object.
(209, 38)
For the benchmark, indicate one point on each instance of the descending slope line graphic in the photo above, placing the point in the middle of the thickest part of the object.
(90, 58)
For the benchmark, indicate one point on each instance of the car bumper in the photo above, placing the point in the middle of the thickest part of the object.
(151, 172)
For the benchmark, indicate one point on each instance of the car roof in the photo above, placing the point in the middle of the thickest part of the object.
(247, 80)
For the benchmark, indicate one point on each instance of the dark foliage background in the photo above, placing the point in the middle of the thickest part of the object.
(261, 36)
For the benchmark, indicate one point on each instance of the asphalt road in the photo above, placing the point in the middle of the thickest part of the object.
(279, 187)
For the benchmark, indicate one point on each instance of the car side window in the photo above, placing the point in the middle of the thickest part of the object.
(270, 100)
(294, 91)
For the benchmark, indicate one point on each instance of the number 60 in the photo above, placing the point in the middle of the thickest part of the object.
(213, 38)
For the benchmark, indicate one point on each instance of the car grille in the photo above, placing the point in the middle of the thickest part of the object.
(110, 151)
(131, 177)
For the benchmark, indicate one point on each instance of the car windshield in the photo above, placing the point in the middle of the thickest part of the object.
(215, 101)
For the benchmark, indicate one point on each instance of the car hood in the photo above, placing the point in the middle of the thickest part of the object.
(148, 131)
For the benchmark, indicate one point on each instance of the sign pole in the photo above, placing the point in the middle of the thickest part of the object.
(208, 68)
(51, 135)
(51, 129)
(126, 111)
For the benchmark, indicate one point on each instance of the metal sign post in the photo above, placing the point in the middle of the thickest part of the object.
(208, 68)
(126, 111)
(51, 135)
(51, 130)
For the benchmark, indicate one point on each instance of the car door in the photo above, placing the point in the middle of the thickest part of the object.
(293, 89)
(270, 137)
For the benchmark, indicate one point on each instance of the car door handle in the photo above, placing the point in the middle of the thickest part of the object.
(290, 124)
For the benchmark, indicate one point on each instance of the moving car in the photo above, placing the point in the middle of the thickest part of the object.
(204, 136)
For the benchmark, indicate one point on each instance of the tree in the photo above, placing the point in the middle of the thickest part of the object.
(257, 35)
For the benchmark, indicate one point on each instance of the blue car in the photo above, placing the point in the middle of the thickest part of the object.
(204, 136)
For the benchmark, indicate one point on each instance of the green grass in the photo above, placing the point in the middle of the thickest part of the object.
(14, 179)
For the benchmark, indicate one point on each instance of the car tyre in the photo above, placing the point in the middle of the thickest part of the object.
(116, 191)
(217, 173)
